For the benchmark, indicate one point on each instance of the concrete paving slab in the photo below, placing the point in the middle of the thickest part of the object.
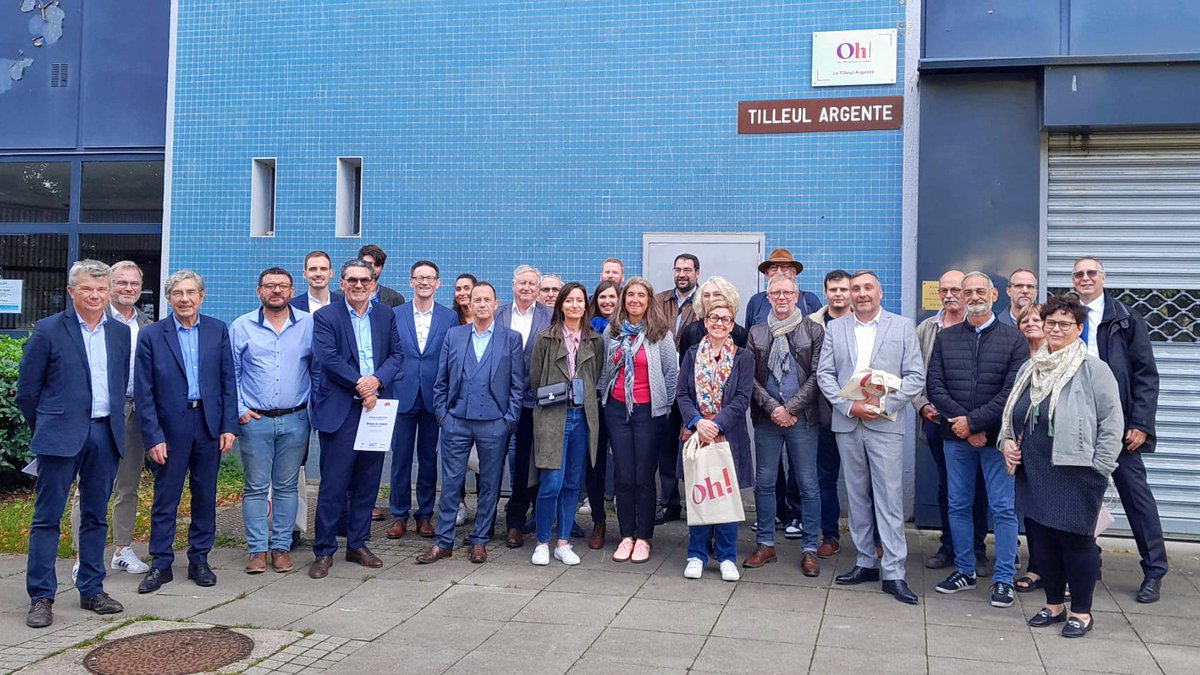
(941, 665)
(878, 604)
(349, 623)
(595, 665)
(1059, 654)
(562, 644)
(768, 624)
(571, 609)
(1175, 659)
(253, 611)
(671, 617)
(428, 631)
(298, 589)
(986, 645)
(1172, 630)
(883, 635)
(665, 586)
(775, 596)
(397, 597)
(851, 660)
(727, 655)
(646, 649)
(515, 575)
(978, 614)
(598, 582)
(480, 602)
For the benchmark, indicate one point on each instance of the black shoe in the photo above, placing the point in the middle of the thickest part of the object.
(41, 614)
(957, 581)
(1149, 590)
(202, 574)
(898, 589)
(577, 531)
(857, 575)
(1044, 618)
(101, 603)
(665, 515)
(154, 580)
(1003, 594)
(940, 560)
(1075, 627)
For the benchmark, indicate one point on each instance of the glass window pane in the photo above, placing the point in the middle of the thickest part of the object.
(121, 192)
(35, 192)
(40, 262)
(143, 249)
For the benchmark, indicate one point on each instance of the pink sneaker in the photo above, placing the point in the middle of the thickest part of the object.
(624, 550)
(641, 551)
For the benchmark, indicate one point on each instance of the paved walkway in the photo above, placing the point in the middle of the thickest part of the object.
(601, 617)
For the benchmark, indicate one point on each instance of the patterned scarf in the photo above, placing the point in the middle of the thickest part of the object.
(631, 340)
(712, 370)
(1045, 375)
(777, 362)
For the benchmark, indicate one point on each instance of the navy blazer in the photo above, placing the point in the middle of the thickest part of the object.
(735, 401)
(335, 358)
(54, 386)
(508, 380)
(300, 302)
(541, 321)
(419, 370)
(160, 389)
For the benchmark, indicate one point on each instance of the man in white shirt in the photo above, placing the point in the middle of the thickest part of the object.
(317, 272)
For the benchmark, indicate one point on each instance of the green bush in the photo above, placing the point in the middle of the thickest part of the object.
(14, 434)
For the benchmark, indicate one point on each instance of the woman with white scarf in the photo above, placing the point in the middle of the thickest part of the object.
(1061, 436)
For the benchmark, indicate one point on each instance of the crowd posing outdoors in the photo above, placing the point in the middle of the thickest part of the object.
(1031, 411)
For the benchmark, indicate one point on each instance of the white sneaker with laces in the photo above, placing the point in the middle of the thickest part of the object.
(75, 573)
(729, 571)
(694, 569)
(566, 554)
(461, 518)
(541, 555)
(586, 508)
(127, 560)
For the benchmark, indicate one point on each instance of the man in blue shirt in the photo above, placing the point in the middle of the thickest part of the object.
(272, 357)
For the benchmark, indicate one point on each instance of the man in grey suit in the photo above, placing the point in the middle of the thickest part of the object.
(870, 444)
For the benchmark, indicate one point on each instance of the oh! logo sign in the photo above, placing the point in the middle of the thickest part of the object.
(853, 51)
(708, 490)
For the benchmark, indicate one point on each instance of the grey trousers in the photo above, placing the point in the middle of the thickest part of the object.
(124, 495)
(872, 463)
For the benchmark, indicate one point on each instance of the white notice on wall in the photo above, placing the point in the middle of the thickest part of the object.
(854, 57)
(10, 296)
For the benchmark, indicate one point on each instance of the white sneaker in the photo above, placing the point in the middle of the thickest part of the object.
(127, 560)
(695, 568)
(586, 508)
(541, 554)
(75, 573)
(566, 554)
(729, 571)
(461, 518)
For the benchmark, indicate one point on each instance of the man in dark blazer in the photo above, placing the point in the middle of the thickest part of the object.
(527, 317)
(477, 398)
(317, 272)
(357, 354)
(422, 325)
(187, 400)
(70, 389)
(377, 259)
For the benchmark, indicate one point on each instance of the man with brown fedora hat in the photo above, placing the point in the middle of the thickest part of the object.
(779, 262)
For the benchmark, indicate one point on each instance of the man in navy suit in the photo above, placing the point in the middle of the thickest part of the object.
(527, 317)
(477, 399)
(357, 354)
(186, 396)
(71, 389)
(422, 325)
(317, 272)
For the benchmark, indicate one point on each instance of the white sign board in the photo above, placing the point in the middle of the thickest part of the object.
(10, 296)
(854, 57)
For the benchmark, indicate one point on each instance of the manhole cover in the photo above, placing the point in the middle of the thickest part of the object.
(169, 652)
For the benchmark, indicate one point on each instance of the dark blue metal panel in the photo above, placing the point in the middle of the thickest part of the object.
(124, 84)
(1143, 27)
(957, 29)
(36, 115)
(1124, 95)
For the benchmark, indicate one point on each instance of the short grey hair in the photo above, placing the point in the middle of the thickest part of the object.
(525, 269)
(550, 276)
(126, 265)
(1099, 264)
(357, 262)
(91, 268)
(181, 276)
(780, 276)
(722, 286)
(983, 275)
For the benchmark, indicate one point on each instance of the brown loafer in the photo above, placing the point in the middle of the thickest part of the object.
(809, 565)
(398, 528)
(319, 569)
(281, 561)
(829, 548)
(596, 541)
(514, 539)
(434, 554)
(761, 556)
(364, 557)
(478, 554)
(378, 514)
(257, 564)
(425, 527)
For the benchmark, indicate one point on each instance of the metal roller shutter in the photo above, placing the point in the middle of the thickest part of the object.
(1133, 201)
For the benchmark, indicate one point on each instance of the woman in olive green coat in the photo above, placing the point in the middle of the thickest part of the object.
(564, 434)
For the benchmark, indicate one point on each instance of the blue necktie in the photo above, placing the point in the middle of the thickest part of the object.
(1086, 322)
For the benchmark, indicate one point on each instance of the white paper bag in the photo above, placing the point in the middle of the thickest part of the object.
(710, 478)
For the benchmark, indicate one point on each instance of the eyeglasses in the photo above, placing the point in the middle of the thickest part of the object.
(1024, 287)
(127, 284)
(720, 320)
(1090, 274)
(1064, 326)
(275, 287)
(972, 292)
(549, 289)
(781, 294)
(190, 293)
(357, 281)
(684, 270)
(949, 291)
(424, 278)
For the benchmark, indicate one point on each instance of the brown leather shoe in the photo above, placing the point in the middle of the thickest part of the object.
(761, 556)
(281, 561)
(319, 568)
(809, 565)
(514, 539)
(596, 541)
(478, 554)
(364, 557)
(257, 564)
(425, 527)
(828, 548)
(398, 528)
(378, 514)
(434, 554)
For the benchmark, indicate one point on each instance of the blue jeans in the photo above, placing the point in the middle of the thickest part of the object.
(558, 493)
(272, 449)
(962, 464)
(801, 442)
(829, 465)
(725, 535)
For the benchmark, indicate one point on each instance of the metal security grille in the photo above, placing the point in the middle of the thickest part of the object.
(1132, 200)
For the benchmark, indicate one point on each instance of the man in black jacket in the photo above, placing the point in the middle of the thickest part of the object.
(377, 259)
(971, 370)
(1119, 337)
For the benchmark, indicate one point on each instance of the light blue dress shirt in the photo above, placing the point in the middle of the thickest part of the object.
(480, 342)
(362, 338)
(189, 347)
(96, 347)
(272, 370)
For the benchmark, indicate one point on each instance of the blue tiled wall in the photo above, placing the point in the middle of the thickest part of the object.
(494, 133)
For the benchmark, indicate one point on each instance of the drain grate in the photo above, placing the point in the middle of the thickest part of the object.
(169, 652)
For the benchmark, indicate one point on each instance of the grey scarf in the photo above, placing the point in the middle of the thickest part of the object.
(777, 362)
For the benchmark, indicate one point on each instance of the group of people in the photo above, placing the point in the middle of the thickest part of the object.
(564, 379)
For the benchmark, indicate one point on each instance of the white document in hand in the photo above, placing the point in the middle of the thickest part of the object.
(871, 382)
(375, 427)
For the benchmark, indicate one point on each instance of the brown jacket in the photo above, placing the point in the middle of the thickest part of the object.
(665, 301)
(548, 365)
(805, 344)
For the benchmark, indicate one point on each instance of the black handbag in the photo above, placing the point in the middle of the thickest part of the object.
(553, 394)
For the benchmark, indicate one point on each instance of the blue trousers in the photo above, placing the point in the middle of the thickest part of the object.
(272, 449)
(96, 466)
(963, 462)
(490, 438)
(416, 430)
(725, 536)
(801, 443)
(191, 452)
(829, 465)
(933, 436)
(558, 494)
(346, 470)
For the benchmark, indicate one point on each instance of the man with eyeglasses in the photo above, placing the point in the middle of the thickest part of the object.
(422, 325)
(1022, 292)
(548, 289)
(779, 262)
(1119, 336)
(272, 357)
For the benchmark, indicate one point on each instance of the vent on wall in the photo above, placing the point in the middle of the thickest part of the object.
(58, 75)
